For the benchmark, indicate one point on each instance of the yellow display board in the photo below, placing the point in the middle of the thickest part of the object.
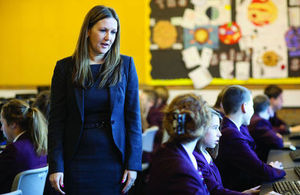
(35, 34)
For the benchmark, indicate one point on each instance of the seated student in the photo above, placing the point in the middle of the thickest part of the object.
(174, 168)
(42, 102)
(155, 115)
(261, 129)
(218, 104)
(205, 162)
(147, 100)
(274, 93)
(239, 165)
(26, 129)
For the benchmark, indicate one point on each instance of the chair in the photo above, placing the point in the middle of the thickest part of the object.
(148, 138)
(18, 192)
(31, 182)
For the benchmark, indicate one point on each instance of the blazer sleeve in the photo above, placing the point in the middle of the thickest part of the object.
(266, 135)
(57, 117)
(7, 168)
(133, 127)
(244, 157)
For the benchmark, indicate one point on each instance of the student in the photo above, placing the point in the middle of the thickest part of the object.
(174, 168)
(148, 98)
(261, 129)
(274, 93)
(239, 165)
(26, 130)
(218, 104)
(155, 115)
(205, 162)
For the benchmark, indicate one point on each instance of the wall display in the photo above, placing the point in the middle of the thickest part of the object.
(224, 39)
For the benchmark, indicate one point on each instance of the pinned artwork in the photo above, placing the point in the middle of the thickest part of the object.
(202, 36)
(262, 12)
(270, 62)
(292, 38)
(213, 12)
(230, 33)
(164, 34)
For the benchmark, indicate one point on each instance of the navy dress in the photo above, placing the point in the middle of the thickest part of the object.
(97, 165)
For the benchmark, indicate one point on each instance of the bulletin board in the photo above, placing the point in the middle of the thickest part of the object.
(219, 42)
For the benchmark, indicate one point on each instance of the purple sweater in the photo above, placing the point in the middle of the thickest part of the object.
(17, 157)
(264, 136)
(239, 165)
(212, 177)
(172, 172)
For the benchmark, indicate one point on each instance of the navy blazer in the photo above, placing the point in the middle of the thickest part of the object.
(172, 172)
(239, 165)
(264, 136)
(66, 116)
(212, 176)
(17, 157)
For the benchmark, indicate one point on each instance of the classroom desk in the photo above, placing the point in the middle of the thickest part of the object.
(282, 156)
(290, 175)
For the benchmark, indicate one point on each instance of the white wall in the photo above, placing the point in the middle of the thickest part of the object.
(291, 97)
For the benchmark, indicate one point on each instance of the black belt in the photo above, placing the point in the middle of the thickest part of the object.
(94, 125)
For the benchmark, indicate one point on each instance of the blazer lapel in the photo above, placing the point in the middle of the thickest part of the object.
(79, 94)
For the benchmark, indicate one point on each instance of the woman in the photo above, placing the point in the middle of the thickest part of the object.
(94, 124)
(26, 130)
(174, 168)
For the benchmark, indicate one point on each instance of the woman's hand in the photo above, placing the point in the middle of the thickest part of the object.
(130, 176)
(57, 181)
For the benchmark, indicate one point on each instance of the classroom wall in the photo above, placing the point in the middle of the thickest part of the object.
(35, 34)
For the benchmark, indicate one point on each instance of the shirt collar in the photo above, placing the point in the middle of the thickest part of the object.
(17, 137)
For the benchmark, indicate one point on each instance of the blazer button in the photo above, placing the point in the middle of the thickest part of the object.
(112, 122)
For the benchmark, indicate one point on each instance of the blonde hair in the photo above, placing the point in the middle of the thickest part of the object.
(28, 119)
(111, 69)
(196, 117)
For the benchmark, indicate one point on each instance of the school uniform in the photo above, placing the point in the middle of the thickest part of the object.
(239, 165)
(172, 172)
(212, 177)
(17, 157)
(279, 125)
(264, 136)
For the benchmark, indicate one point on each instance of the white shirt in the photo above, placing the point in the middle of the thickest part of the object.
(192, 157)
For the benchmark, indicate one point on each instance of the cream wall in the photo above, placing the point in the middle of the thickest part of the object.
(35, 34)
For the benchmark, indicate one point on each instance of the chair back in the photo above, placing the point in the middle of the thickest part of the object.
(148, 138)
(17, 192)
(31, 182)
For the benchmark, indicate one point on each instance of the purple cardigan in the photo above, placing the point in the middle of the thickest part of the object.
(17, 157)
(172, 172)
(265, 137)
(212, 177)
(239, 165)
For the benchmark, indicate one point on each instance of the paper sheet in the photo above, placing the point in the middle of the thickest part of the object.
(191, 57)
(200, 77)
(226, 69)
(206, 55)
(189, 19)
(242, 70)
